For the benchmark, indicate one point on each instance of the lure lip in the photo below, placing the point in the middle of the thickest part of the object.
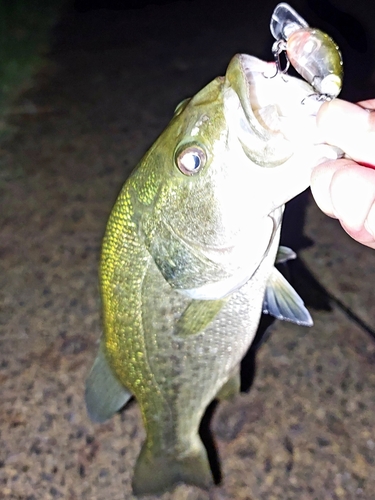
(284, 21)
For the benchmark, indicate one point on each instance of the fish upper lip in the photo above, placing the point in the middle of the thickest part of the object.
(270, 107)
(263, 124)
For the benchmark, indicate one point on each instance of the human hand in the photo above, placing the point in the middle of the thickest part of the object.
(345, 188)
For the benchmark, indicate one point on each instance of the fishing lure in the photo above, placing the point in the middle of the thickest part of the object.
(313, 53)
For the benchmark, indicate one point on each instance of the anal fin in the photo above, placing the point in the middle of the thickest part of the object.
(104, 394)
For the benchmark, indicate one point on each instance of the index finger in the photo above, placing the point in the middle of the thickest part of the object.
(351, 127)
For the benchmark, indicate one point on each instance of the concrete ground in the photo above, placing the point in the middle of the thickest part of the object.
(306, 429)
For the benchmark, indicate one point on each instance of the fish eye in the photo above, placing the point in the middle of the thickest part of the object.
(190, 159)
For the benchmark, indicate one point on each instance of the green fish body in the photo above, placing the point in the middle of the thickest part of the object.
(188, 257)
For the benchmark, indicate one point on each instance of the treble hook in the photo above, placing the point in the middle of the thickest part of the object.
(277, 48)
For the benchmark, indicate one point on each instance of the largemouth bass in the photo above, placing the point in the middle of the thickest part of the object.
(188, 257)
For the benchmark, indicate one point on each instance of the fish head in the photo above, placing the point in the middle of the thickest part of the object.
(213, 186)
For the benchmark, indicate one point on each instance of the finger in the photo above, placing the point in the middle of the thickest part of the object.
(365, 235)
(346, 190)
(350, 127)
(321, 179)
(352, 192)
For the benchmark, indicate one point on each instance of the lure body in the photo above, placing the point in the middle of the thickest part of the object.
(312, 52)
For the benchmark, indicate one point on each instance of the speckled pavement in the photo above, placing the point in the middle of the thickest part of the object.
(306, 429)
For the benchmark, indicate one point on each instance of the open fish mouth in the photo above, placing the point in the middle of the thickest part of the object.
(270, 104)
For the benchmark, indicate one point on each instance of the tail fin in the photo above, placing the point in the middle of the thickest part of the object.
(156, 473)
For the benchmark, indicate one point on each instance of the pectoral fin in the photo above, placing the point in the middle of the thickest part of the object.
(197, 316)
(283, 302)
(284, 254)
(104, 393)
